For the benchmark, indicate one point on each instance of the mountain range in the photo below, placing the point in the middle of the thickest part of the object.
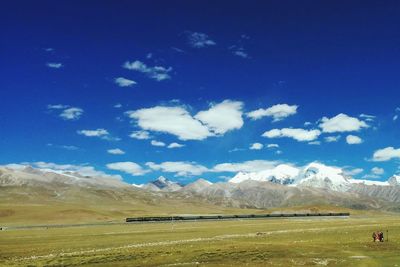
(283, 186)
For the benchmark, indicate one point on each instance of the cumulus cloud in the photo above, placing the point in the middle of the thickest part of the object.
(247, 166)
(222, 117)
(116, 151)
(277, 112)
(175, 145)
(300, 135)
(54, 65)
(129, 167)
(123, 82)
(217, 120)
(172, 120)
(341, 123)
(256, 146)
(330, 139)
(386, 154)
(101, 133)
(157, 143)
(353, 140)
(141, 135)
(199, 40)
(71, 113)
(158, 73)
(67, 112)
(180, 168)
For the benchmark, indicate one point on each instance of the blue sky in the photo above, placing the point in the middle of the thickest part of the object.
(78, 78)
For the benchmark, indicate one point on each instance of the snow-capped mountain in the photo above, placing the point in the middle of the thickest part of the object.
(281, 174)
(321, 176)
(162, 184)
(394, 180)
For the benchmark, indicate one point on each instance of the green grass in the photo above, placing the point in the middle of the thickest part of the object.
(278, 242)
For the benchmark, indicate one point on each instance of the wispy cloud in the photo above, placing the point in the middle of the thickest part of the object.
(123, 82)
(158, 73)
(100, 133)
(68, 112)
(256, 146)
(277, 112)
(54, 65)
(199, 40)
(116, 151)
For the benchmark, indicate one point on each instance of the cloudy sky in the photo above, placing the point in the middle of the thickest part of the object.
(190, 90)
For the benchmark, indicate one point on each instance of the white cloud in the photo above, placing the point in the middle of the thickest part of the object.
(367, 117)
(247, 166)
(297, 134)
(101, 133)
(256, 146)
(181, 168)
(330, 139)
(116, 151)
(241, 53)
(131, 168)
(123, 82)
(222, 117)
(172, 120)
(54, 65)
(277, 112)
(141, 135)
(217, 120)
(157, 143)
(353, 140)
(199, 40)
(377, 171)
(352, 172)
(66, 147)
(158, 73)
(68, 112)
(386, 154)
(118, 105)
(91, 133)
(58, 106)
(316, 143)
(307, 123)
(175, 145)
(272, 146)
(72, 113)
(395, 117)
(341, 123)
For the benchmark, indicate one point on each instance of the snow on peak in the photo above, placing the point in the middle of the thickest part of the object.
(394, 180)
(281, 174)
(319, 175)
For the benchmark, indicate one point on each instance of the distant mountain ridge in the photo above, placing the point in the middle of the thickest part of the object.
(313, 184)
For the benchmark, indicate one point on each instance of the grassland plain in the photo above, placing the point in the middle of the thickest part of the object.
(262, 242)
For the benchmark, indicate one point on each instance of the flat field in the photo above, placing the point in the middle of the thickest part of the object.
(260, 242)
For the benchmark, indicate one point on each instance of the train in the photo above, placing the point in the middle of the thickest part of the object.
(229, 217)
